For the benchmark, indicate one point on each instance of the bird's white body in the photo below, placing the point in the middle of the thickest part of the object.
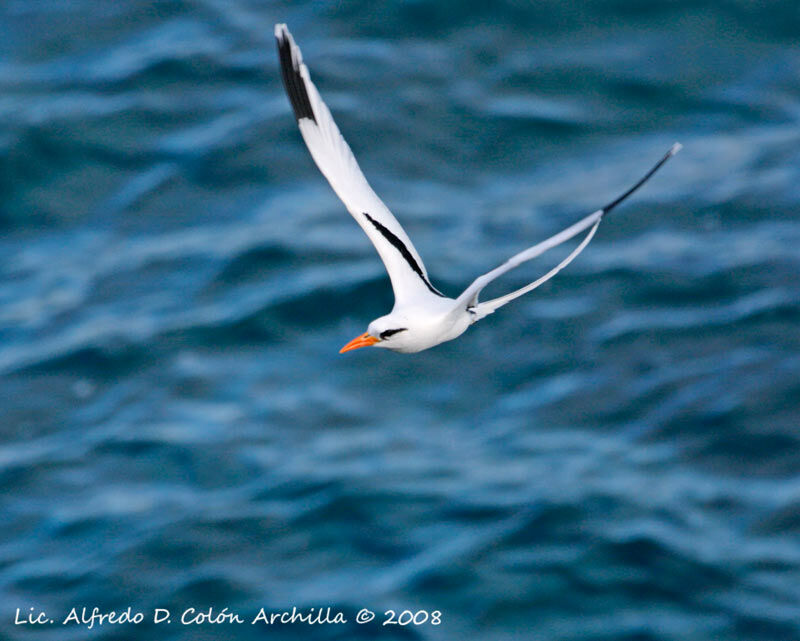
(426, 324)
(422, 316)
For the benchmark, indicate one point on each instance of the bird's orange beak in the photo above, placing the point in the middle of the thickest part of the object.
(365, 340)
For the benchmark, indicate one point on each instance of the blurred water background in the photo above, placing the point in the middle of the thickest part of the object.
(614, 457)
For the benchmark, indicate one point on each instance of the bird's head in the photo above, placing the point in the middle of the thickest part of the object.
(390, 331)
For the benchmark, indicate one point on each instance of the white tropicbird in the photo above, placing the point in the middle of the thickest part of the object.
(422, 316)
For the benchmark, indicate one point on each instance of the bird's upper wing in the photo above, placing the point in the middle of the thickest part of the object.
(336, 162)
(469, 298)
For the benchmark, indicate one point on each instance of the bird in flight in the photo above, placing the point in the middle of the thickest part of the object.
(422, 316)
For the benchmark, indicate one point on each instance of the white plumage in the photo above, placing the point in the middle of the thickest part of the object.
(422, 316)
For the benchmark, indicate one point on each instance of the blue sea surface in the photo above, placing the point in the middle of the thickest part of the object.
(612, 457)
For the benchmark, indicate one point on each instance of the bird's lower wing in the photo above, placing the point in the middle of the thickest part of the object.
(336, 162)
(469, 298)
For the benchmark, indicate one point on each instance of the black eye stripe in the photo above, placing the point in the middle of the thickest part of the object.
(390, 332)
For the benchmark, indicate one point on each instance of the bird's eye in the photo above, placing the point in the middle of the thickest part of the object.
(390, 332)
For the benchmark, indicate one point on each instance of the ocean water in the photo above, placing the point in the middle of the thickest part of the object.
(612, 457)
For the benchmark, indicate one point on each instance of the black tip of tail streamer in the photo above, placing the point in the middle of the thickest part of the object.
(673, 150)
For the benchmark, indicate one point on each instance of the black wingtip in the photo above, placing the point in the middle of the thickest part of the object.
(290, 72)
(672, 151)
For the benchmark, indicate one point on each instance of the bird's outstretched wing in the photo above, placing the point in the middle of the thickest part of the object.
(469, 298)
(336, 162)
